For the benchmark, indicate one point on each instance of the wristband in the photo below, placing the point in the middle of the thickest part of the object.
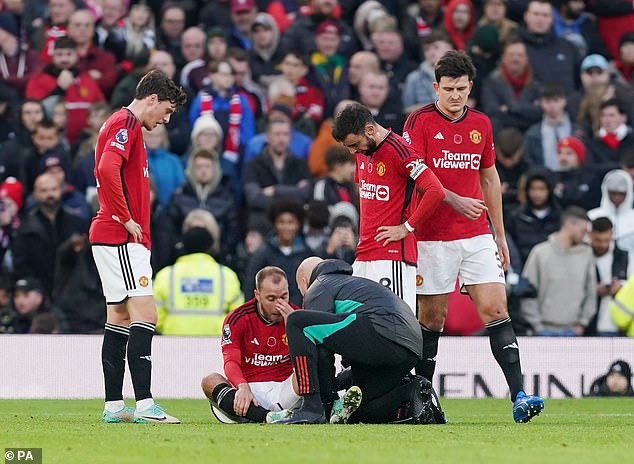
(408, 227)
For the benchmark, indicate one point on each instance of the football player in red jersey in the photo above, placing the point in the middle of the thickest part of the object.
(456, 142)
(258, 369)
(120, 239)
(388, 171)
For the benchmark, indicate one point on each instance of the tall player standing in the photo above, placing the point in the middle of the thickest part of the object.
(120, 239)
(456, 142)
(388, 171)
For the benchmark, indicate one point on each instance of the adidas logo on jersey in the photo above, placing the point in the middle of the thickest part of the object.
(439, 136)
(255, 341)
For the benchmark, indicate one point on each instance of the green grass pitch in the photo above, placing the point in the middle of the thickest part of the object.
(480, 431)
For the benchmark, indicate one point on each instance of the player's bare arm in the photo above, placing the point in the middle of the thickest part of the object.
(492, 194)
(471, 208)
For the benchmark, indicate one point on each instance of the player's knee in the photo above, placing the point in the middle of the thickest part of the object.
(210, 382)
(493, 311)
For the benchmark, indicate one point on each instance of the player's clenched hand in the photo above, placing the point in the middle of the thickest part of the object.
(134, 229)
(503, 250)
(471, 208)
(243, 399)
(387, 234)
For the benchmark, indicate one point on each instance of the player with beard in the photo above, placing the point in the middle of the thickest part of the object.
(120, 239)
(388, 171)
(456, 142)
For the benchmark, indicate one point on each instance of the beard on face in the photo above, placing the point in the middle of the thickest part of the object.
(51, 204)
(371, 146)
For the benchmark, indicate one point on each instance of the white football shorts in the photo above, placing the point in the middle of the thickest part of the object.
(275, 396)
(398, 276)
(125, 271)
(473, 260)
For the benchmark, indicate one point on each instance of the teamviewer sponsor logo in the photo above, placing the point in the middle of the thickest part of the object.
(451, 160)
(369, 191)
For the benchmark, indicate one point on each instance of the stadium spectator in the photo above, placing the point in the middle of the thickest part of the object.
(562, 269)
(494, 13)
(315, 228)
(616, 205)
(510, 92)
(612, 139)
(165, 167)
(301, 33)
(459, 22)
(386, 167)
(575, 185)
(243, 14)
(29, 299)
(10, 207)
(195, 294)
(19, 62)
(343, 239)
(541, 139)
(113, 13)
(552, 58)
(461, 222)
(239, 60)
(613, 267)
(46, 142)
(232, 111)
(8, 104)
(309, 99)
(540, 215)
(275, 172)
(421, 19)
(573, 23)
(511, 165)
(339, 184)
(265, 54)
(600, 83)
(367, 18)
(19, 146)
(388, 44)
(100, 64)
(361, 63)
(193, 51)
(614, 18)
(331, 68)
(248, 390)
(53, 26)
(162, 233)
(284, 247)
(207, 188)
(624, 62)
(386, 108)
(97, 115)
(484, 48)
(62, 80)
(170, 31)
(617, 382)
(137, 34)
(206, 134)
(300, 143)
(42, 230)
(322, 142)
(77, 293)
(419, 84)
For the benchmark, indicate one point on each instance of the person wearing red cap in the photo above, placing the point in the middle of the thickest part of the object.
(243, 14)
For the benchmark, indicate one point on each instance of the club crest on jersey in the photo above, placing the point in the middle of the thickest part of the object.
(407, 138)
(416, 168)
(122, 136)
(380, 168)
(475, 136)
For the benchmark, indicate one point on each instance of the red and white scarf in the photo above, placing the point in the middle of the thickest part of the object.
(232, 137)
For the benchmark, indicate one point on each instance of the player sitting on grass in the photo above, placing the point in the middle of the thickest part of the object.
(259, 374)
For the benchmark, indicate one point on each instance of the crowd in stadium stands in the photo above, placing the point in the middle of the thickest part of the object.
(248, 174)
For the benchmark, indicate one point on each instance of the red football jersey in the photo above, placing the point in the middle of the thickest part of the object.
(386, 182)
(455, 150)
(123, 180)
(258, 347)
